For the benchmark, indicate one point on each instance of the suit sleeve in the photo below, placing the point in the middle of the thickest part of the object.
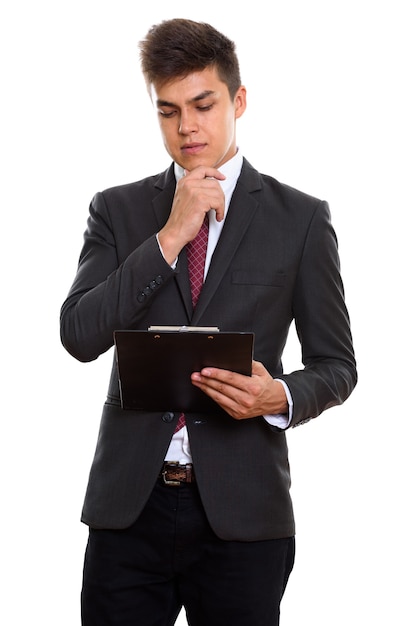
(108, 292)
(322, 324)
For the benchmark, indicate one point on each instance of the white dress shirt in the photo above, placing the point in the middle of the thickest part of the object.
(179, 449)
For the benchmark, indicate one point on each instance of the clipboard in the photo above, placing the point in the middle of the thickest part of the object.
(155, 365)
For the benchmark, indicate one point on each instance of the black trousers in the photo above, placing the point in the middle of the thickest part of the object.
(170, 557)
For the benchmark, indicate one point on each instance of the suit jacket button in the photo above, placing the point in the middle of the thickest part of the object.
(168, 417)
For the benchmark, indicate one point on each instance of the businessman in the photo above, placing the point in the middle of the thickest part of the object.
(194, 509)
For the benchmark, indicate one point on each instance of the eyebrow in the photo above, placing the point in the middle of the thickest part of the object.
(200, 96)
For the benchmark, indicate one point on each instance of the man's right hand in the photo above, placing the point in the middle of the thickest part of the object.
(196, 193)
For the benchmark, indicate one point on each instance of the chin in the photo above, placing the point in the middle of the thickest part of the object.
(192, 161)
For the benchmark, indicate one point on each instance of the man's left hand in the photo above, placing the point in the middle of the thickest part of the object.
(242, 396)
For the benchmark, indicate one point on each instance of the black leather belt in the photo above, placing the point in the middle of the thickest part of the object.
(173, 474)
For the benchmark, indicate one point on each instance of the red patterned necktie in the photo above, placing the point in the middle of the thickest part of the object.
(196, 257)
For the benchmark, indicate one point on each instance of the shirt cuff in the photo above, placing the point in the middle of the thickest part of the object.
(173, 265)
(279, 419)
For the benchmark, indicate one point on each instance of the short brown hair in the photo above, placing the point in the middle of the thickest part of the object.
(178, 47)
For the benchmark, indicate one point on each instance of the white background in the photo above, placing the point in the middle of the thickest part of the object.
(332, 110)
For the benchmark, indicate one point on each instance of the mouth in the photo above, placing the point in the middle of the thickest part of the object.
(192, 148)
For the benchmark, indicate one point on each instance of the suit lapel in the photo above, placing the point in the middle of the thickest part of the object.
(162, 202)
(183, 282)
(241, 212)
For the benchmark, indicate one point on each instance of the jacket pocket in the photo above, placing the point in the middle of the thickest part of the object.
(258, 277)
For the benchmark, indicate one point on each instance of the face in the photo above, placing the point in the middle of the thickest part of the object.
(197, 118)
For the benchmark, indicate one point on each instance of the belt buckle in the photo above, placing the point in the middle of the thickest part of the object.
(170, 483)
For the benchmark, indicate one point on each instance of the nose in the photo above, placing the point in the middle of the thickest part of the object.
(188, 123)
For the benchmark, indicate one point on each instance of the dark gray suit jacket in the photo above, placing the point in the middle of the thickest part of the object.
(276, 261)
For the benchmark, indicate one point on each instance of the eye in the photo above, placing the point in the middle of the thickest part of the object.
(166, 114)
(206, 107)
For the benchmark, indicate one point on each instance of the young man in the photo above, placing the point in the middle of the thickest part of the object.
(200, 515)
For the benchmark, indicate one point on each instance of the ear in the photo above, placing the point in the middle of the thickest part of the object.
(240, 101)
